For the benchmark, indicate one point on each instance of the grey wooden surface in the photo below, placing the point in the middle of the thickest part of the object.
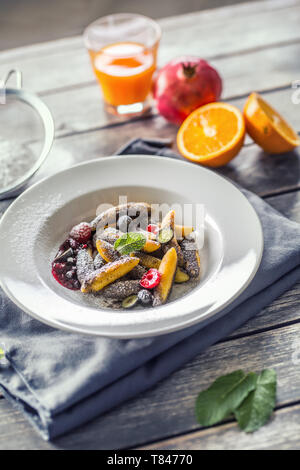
(33, 21)
(255, 46)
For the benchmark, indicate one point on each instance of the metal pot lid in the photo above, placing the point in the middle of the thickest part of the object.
(26, 135)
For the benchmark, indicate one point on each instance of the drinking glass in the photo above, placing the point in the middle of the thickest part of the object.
(123, 51)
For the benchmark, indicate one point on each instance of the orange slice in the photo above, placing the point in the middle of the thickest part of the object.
(267, 128)
(212, 134)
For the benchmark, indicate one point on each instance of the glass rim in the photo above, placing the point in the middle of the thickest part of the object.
(153, 23)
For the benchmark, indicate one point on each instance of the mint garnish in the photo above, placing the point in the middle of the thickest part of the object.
(257, 408)
(250, 397)
(130, 242)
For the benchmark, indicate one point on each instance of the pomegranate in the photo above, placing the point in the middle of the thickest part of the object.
(183, 85)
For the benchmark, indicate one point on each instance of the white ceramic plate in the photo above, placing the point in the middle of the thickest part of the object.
(39, 220)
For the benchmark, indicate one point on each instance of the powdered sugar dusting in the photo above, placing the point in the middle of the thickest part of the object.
(15, 161)
(28, 222)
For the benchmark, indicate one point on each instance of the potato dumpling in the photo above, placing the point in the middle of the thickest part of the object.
(167, 270)
(109, 273)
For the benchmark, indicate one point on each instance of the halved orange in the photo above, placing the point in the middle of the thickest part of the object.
(267, 128)
(212, 135)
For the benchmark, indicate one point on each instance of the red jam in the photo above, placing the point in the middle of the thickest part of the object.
(64, 268)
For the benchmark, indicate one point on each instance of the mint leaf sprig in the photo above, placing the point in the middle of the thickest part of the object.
(130, 242)
(250, 397)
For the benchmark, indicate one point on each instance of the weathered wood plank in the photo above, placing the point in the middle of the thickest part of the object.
(80, 109)
(229, 437)
(232, 16)
(288, 204)
(172, 402)
(283, 311)
(252, 168)
(85, 110)
(283, 70)
(261, 173)
(65, 65)
(264, 174)
(236, 17)
(168, 409)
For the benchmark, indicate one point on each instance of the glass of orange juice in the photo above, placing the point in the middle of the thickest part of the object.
(123, 50)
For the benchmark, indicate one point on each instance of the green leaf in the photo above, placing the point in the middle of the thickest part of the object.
(257, 408)
(223, 397)
(130, 242)
(2, 353)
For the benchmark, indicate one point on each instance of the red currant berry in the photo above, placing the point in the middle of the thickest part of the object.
(151, 279)
(153, 228)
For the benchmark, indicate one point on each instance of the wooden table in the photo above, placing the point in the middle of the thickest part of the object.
(255, 46)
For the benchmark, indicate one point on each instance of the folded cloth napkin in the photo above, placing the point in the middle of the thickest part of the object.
(61, 380)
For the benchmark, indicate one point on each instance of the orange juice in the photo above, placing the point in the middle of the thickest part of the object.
(124, 71)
